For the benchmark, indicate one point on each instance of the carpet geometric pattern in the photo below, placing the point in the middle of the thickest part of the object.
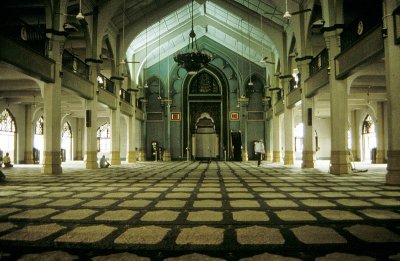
(197, 211)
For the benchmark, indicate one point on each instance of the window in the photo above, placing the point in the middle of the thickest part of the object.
(103, 138)
(7, 133)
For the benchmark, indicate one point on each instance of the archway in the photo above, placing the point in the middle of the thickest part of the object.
(66, 142)
(205, 92)
(368, 139)
(38, 140)
(7, 134)
(104, 139)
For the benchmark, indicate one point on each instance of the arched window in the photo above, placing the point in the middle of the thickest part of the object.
(204, 83)
(7, 133)
(66, 142)
(368, 138)
(39, 126)
(298, 137)
(368, 125)
(103, 138)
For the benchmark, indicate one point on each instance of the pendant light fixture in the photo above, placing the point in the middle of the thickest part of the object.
(144, 73)
(192, 60)
(248, 29)
(287, 15)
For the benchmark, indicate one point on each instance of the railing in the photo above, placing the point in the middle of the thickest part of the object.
(125, 96)
(357, 30)
(279, 95)
(26, 34)
(75, 64)
(106, 84)
(319, 62)
(292, 84)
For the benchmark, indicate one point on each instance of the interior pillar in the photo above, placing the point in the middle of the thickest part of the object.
(392, 65)
(131, 138)
(288, 120)
(115, 128)
(80, 126)
(52, 113)
(91, 122)
(307, 112)
(276, 154)
(167, 151)
(28, 135)
(355, 137)
(268, 140)
(340, 163)
(380, 132)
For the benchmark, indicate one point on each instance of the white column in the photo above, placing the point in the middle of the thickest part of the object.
(380, 132)
(340, 163)
(392, 65)
(289, 138)
(131, 138)
(307, 112)
(355, 137)
(115, 128)
(276, 153)
(80, 127)
(91, 134)
(28, 135)
(52, 115)
(91, 122)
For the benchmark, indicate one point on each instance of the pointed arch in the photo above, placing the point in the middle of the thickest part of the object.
(104, 138)
(66, 141)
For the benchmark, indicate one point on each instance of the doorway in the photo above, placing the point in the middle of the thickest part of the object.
(206, 94)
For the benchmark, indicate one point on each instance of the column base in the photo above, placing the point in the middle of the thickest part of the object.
(380, 157)
(142, 155)
(340, 163)
(393, 167)
(354, 156)
(79, 155)
(115, 158)
(308, 159)
(91, 160)
(276, 156)
(51, 163)
(131, 156)
(29, 157)
(289, 157)
(166, 156)
(268, 156)
(245, 155)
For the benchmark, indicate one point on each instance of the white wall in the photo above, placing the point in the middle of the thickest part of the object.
(323, 128)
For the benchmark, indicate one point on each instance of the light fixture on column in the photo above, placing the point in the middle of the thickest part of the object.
(192, 60)
(248, 29)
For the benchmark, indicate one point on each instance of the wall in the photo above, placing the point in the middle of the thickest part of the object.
(323, 128)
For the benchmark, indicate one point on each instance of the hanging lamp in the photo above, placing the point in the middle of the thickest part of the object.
(192, 60)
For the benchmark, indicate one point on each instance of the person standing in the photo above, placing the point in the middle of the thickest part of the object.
(259, 149)
(7, 161)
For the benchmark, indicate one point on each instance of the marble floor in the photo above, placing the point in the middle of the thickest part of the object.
(198, 211)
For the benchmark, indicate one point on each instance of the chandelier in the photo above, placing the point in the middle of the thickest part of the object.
(192, 60)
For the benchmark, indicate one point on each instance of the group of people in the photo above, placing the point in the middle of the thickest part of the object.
(7, 161)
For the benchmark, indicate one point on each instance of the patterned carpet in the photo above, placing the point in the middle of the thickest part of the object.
(197, 211)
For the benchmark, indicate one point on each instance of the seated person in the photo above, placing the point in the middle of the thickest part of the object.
(7, 161)
(104, 163)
